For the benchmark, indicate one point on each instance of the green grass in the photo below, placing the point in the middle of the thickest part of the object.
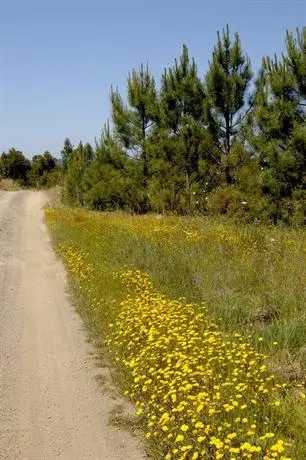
(251, 278)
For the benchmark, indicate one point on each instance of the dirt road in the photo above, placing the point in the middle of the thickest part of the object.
(50, 404)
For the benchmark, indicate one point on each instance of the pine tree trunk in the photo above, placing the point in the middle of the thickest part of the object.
(144, 153)
(227, 133)
(228, 177)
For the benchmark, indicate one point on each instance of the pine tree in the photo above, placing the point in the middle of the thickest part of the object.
(180, 144)
(66, 153)
(133, 122)
(296, 59)
(182, 94)
(143, 99)
(79, 161)
(226, 86)
(113, 179)
(278, 133)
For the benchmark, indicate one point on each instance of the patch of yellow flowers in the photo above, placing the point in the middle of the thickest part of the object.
(76, 262)
(165, 230)
(170, 230)
(203, 394)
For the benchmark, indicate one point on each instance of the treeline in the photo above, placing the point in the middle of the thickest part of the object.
(229, 143)
(42, 171)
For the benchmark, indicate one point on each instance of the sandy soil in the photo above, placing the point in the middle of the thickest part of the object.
(51, 406)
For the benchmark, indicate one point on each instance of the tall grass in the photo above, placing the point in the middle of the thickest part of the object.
(250, 278)
(9, 185)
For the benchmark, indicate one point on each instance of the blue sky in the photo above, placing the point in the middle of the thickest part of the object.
(59, 58)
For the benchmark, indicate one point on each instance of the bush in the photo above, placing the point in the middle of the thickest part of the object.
(227, 200)
(54, 177)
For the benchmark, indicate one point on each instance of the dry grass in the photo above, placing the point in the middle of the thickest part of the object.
(8, 185)
(55, 197)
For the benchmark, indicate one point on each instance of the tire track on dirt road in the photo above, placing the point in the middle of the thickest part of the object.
(50, 404)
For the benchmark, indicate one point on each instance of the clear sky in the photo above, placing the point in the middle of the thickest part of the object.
(59, 58)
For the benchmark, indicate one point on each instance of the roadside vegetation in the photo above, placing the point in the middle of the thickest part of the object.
(9, 185)
(42, 171)
(204, 322)
(231, 143)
